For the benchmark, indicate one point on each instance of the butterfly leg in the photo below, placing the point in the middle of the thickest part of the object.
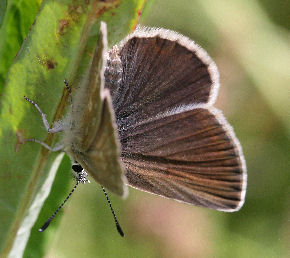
(56, 129)
(70, 96)
(54, 149)
(69, 91)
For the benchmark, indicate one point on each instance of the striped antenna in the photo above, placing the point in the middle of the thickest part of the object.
(114, 215)
(46, 224)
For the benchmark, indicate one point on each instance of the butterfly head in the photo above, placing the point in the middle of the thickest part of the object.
(79, 173)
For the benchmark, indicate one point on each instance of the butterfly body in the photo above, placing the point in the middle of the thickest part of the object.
(90, 135)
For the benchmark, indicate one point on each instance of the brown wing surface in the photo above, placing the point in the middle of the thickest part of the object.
(192, 157)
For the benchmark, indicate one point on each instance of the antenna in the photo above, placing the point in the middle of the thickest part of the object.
(46, 224)
(114, 215)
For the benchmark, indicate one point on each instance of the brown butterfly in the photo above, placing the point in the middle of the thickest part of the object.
(144, 110)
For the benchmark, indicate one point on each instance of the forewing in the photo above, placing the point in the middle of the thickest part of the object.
(158, 70)
(191, 156)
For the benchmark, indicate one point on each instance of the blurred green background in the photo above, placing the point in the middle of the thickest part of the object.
(249, 41)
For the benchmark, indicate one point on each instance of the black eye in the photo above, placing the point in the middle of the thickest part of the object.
(77, 168)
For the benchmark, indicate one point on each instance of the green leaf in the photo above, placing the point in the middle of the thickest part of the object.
(59, 45)
(16, 18)
(3, 7)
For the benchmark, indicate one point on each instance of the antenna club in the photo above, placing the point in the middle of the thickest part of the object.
(120, 230)
(46, 224)
(113, 213)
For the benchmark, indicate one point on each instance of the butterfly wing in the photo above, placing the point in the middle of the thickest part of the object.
(174, 143)
(94, 141)
(158, 74)
(102, 158)
(192, 156)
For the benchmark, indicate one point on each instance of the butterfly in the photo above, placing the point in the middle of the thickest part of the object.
(143, 115)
